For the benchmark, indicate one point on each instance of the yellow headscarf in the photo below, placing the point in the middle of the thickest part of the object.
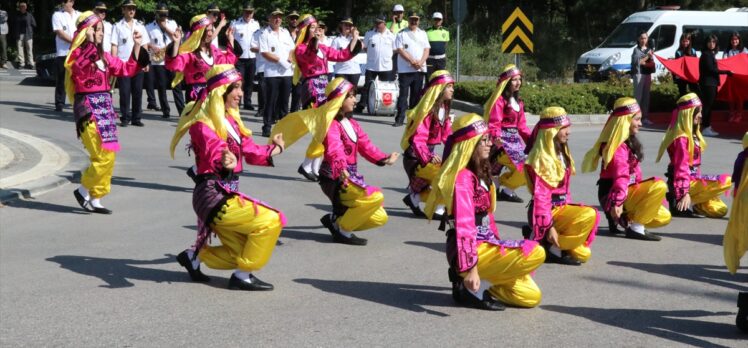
(304, 22)
(197, 29)
(85, 20)
(437, 83)
(681, 125)
(509, 71)
(543, 158)
(467, 131)
(315, 120)
(615, 132)
(211, 109)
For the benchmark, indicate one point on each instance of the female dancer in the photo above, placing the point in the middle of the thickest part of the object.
(474, 248)
(565, 229)
(736, 235)
(626, 198)
(505, 114)
(311, 63)
(686, 185)
(428, 125)
(248, 228)
(87, 73)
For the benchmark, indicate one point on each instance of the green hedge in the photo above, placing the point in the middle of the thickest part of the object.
(577, 98)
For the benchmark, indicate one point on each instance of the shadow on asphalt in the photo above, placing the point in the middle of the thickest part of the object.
(41, 110)
(131, 182)
(305, 233)
(714, 239)
(678, 325)
(30, 203)
(385, 120)
(710, 274)
(440, 247)
(404, 296)
(117, 273)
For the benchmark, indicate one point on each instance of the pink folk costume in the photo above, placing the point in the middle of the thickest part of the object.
(473, 239)
(548, 168)
(191, 65)
(685, 145)
(428, 125)
(247, 227)
(621, 183)
(88, 70)
(507, 126)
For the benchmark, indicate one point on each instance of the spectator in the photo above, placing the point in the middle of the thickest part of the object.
(100, 9)
(735, 48)
(685, 50)
(327, 41)
(63, 25)
(244, 28)
(349, 69)
(214, 13)
(394, 27)
(642, 67)
(122, 44)
(708, 82)
(24, 28)
(293, 29)
(412, 46)
(276, 46)
(438, 39)
(160, 32)
(254, 46)
(379, 43)
(3, 38)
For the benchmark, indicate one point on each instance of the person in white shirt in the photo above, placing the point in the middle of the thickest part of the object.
(160, 32)
(293, 29)
(215, 14)
(412, 47)
(349, 70)
(276, 46)
(254, 46)
(100, 9)
(63, 25)
(122, 44)
(379, 44)
(327, 41)
(244, 29)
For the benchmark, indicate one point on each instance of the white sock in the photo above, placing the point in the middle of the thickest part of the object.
(555, 250)
(96, 203)
(415, 198)
(195, 261)
(82, 190)
(316, 164)
(307, 165)
(347, 234)
(636, 227)
(242, 275)
(507, 191)
(440, 210)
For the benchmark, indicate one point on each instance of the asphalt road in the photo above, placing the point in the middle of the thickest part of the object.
(68, 278)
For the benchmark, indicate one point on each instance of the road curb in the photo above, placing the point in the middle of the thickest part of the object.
(581, 119)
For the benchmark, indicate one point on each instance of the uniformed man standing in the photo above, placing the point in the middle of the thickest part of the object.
(122, 43)
(215, 14)
(438, 39)
(100, 9)
(394, 26)
(244, 28)
(254, 46)
(160, 32)
(63, 24)
(412, 47)
(276, 47)
(293, 29)
(379, 45)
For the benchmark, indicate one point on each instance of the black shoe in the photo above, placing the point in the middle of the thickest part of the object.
(249, 107)
(564, 259)
(688, 213)
(195, 274)
(413, 207)
(101, 210)
(630, 234)
(137, 123)
(123, 124)
(398, 124)
(266, 134)
(82, 201)
(465, 298)
(309, 176)
(741, 320)
(339, 237)
(254, 284)
(613, 228)
(503, 196)
(153, 107)
(191, 173)
(165, 116)
(58, 108)
(526, 231)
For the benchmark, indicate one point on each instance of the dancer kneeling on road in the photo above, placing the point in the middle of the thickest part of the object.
(505, 115)
(248, 228)
(686, 185)
(566, 230)
(428, 125)
(87, 73)
(474, 249)
(626, 199)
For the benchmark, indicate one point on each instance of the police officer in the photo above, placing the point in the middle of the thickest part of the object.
(244, 28)
(122, 43)
(63, 25)
(394, 26)
(438, 39)
(160, 32)
(379, 45)
(254, 46)
(412, 47)
(276, 46)
(293, 29)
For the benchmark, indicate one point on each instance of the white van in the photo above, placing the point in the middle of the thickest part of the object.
(664, 28)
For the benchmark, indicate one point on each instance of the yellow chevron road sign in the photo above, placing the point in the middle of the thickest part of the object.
(516, 33)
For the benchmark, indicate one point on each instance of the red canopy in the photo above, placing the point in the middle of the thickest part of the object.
(734, 87)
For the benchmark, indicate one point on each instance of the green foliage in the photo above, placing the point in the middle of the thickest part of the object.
(484, 58)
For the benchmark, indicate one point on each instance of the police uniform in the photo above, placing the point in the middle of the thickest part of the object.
(129, 87)
(260, 70)
(158, 77)
(379, 54)
(438, 39)
(64, 21)
(410, 80)
(278, 75)
(243, 32)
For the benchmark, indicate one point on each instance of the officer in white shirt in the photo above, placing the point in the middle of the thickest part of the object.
(412, 47)
(276, 47)
(122, 44)
(379, 44)
(349, 70)
(244, 28)
(254, 46)
(160, 32)
(100, 9)
(63, 25)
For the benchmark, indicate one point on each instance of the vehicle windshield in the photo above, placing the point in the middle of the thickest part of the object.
(625, 35)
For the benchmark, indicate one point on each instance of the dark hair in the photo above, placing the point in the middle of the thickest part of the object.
(687, 51)
(507, 92)
(709, 38)
(230, 88)
(640, 34)
(735, 34)
(636, 147)
(480, 167)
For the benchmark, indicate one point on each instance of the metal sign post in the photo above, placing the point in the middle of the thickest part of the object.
(459, 12)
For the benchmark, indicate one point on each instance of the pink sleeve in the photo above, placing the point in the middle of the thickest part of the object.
(337, 55)
(619, 168)
(208, 147)
(334, 152)
(419, 140)
(83, 56)
(464, 212)
(542, 220)
(224, 58)
(178, 63)
(494, 119)
(122, 69)
(681, 168)
(258, 155)
(524, 132)
(367, 149)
